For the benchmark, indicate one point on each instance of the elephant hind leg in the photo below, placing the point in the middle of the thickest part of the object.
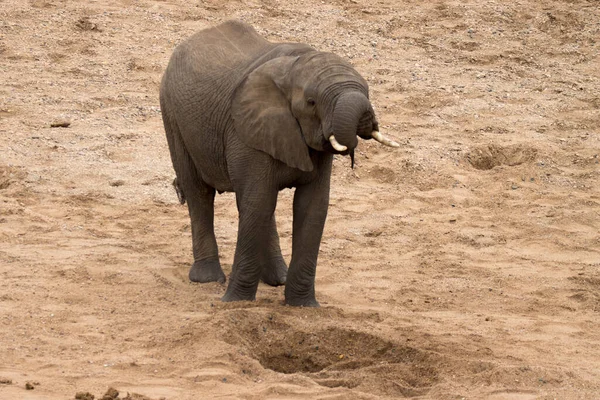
(274, 270)
(200, 199)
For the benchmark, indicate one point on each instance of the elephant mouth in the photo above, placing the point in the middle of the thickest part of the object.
(328, 146)
(321, 145)
(333, 147)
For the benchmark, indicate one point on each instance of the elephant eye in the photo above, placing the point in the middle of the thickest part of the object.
(310, 102)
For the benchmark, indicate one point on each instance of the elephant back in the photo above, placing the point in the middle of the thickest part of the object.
(216, 52)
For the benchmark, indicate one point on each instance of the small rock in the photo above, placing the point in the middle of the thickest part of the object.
(84, 396)
(110, 394)
(29, 386)
(117, 182)
(5, 381)
(86, 25)
(60, 124)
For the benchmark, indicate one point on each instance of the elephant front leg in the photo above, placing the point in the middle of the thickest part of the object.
(310, 211)
(255, 243)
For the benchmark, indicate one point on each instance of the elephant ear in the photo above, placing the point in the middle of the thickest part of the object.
(262, 116)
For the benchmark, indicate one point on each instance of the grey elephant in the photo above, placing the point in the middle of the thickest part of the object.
(246, 115)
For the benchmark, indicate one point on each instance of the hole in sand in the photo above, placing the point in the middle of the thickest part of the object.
(335, 357)
(490, 156)
(346, 358)
(315, 351)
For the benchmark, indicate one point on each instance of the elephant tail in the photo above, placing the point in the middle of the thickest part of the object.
(179, 191)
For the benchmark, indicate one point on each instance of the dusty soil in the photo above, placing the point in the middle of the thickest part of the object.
(465, 264)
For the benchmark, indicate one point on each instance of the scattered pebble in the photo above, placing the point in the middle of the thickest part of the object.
(117, 183)
(60, 124)
(111, 394)
(86, 25)
(84, 396)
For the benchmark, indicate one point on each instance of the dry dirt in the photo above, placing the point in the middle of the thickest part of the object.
(465, 264)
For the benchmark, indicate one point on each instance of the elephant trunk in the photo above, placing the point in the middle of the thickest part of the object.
(352, 117)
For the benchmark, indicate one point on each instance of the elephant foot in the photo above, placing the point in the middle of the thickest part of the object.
(207, 271)
(275, 275)
(302, 302)
(240, 290)
(292, 299)
(236, 296)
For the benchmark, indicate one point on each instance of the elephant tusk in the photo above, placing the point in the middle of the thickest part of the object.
(336, 145)
(383, 140)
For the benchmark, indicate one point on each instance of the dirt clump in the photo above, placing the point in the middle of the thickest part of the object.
(84, 396)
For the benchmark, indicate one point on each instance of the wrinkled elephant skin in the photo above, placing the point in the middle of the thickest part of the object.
(246, 115)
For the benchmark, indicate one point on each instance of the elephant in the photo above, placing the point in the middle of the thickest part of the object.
(245, 115)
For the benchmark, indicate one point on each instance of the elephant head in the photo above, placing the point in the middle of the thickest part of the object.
(292, 103)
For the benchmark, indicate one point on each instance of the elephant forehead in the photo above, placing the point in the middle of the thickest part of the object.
(322, 66)
(323, 74)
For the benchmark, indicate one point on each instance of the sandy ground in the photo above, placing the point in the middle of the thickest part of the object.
(465, 264)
